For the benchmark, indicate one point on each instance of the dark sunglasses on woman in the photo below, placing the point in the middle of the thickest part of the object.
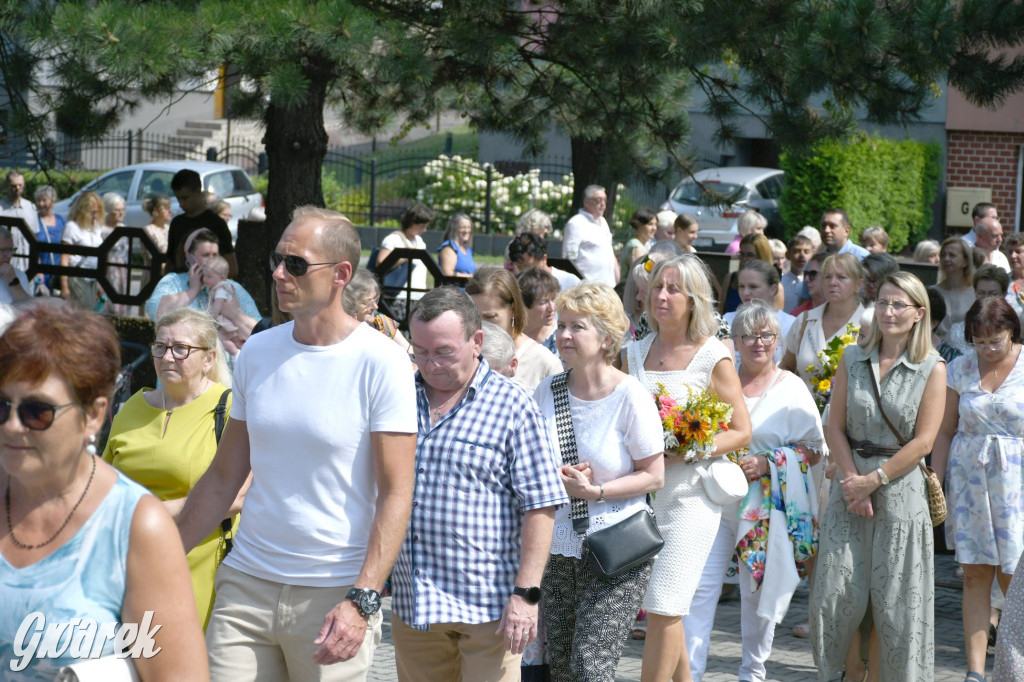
(33, 414)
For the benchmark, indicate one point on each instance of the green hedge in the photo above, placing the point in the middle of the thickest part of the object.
(877, 181)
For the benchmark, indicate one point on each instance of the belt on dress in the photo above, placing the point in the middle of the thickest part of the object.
(866, 448)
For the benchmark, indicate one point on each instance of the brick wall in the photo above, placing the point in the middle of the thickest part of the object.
(980, 159)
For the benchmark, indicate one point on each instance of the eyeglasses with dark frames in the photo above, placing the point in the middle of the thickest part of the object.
(296, 266)
(179, 351)
(750, 340)
(33, 414)
(809, 275)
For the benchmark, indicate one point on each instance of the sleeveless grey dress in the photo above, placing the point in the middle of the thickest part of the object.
(879, 568)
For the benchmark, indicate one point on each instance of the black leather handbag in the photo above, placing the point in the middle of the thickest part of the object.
(614, 550)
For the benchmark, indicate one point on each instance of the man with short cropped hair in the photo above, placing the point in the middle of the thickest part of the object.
(835, 234)
(187, 187)
(530, 251)
(987, 235)
(324, 417)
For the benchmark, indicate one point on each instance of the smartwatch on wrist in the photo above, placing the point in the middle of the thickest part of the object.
(530, 594)
(366, 600)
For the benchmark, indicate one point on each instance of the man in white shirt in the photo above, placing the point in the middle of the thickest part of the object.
(587, 241)
(987, 235)
(324, 416)
(530, 251)
(835, 234)
(15, 205)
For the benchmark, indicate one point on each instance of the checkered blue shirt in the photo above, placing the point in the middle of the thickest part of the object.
(478, 470)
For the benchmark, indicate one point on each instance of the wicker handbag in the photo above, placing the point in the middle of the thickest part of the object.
(933, 488)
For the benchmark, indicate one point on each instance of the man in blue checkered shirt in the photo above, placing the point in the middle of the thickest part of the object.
(466, 583)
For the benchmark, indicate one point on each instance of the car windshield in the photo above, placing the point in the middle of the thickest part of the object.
(712, 193)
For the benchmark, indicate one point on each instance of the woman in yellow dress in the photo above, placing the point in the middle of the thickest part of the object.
(164, 438)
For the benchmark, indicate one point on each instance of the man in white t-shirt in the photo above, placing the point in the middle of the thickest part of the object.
(15, 205)
(587, 241)
(324, 416)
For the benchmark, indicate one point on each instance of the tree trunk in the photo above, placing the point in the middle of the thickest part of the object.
(589, 167)
(296, 143)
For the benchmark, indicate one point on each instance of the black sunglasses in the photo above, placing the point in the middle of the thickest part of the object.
(811, 274)
(296, 266)
(34, 414)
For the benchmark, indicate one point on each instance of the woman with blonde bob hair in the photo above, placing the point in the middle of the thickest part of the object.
(875, 556)
(497, 296)
(165, 438)
(619, 446)
(682, 356)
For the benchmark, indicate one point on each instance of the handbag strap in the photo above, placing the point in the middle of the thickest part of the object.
(580, 511)
(878, 401)
(895, 432)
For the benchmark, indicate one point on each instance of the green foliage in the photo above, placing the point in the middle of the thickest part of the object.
(875, 180)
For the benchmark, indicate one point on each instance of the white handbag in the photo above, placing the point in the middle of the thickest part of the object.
(106, 669)
(723, 480)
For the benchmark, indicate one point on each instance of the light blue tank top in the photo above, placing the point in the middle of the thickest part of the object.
(85, 579)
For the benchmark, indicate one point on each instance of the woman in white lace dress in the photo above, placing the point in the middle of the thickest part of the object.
(619, 447)
(683, 355)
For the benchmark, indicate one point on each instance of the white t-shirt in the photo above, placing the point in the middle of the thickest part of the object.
(25, 210)
(74, 234)
(610, 434)
(588, 244)
(535, 363)
(398, 240)
(566, 280)
(309, 411)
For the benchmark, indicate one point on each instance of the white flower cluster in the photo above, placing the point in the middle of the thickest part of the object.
(458, 184)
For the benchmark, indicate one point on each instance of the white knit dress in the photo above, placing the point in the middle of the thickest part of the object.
(687, 519)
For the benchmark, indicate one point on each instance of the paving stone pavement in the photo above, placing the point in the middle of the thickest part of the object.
(791, 658)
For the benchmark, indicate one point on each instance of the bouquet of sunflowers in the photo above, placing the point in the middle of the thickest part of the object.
(821, 377)
(690, 429)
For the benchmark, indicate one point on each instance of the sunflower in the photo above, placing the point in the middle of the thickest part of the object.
(693, 427)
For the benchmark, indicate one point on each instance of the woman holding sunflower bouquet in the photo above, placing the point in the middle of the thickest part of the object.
(684, 357)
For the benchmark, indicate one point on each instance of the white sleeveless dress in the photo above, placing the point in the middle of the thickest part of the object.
(687, 518)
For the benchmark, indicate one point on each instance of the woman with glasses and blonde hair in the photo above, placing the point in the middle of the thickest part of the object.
(875, 553)
(165, 438)
(979, 452)
(497, 296)
(683, 355)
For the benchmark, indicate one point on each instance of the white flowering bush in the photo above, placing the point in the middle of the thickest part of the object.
(457, 184)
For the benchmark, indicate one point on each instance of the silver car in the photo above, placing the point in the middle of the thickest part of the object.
(138, 181)
(718, 196)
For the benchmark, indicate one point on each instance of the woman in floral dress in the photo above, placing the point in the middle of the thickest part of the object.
(979, 452)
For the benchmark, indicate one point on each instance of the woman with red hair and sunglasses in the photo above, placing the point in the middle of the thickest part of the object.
(83, 548)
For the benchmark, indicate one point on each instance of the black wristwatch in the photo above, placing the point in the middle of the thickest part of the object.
(365, 599)
(530, 594)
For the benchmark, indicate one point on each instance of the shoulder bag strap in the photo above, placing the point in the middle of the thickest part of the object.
(580, 512)
(878, 400)
(219, 420)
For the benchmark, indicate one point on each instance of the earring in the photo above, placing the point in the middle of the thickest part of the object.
(90, 449)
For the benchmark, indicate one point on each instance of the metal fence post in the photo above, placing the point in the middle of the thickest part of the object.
(373, 188)
(448, 144)
(129, 134)
(264, 163)
(487, 200)
(211, 153)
